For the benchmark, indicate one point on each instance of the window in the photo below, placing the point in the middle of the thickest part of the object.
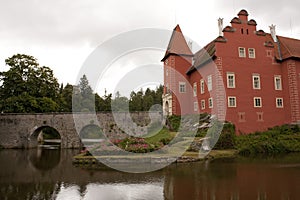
(256, 82)
(257, 102)
(242, 116)
(242, 52)
(202, 86)
(277, 82)
(202, 104)
(231, 101)
(279, 102)
(251, 53)
(195, 106)
(210, 102)
(230, 80)
(260, 116)
(209, 83)
(195, 89)
(182, 87)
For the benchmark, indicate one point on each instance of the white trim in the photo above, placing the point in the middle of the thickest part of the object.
(184, 87)
(195, 89)
(209, 83)
(275, 85)
(254, 102)
(202, 104)
(196, 106)
(240, 54)
(277, 105)
(210, 102)
(202, 86)
(230, 74)
(253, 82)
(228, 101)
(250, 55)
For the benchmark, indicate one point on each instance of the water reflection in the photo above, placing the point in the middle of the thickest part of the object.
(50, 174)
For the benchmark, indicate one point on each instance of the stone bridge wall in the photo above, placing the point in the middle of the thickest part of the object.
(20, 130)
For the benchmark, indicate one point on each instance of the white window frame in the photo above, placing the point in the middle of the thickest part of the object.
(228, 82)
(277, 77)
(254, 102)
(195, 89)
(202, 104)
(253, 81)
(209, 83)
(202, 86)
(242, 54)
(229, 102)
(210, 103)
(277, 100)
(196, 106)
(184, 87)
(251, 55)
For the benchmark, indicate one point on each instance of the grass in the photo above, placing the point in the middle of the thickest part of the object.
(163, 134)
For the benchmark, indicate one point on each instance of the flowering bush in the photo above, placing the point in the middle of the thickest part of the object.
(135, 145)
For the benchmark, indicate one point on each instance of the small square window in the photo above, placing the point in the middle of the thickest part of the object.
(231, 101)
(182, 87)
(202, 86)
(210, 103)
(242, 52)
(202, 104)
(257, 102)
(279, 102)
(251, 53)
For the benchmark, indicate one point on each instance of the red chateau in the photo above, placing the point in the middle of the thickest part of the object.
(244, 76)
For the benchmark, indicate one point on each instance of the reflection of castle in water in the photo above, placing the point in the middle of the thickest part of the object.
(26, 174)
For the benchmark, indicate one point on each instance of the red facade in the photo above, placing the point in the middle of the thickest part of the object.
(245, 76)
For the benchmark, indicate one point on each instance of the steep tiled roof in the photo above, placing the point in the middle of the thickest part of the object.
(203, 55)
(289, 47)
(177, 44)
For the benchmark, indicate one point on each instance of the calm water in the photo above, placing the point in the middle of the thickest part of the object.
(49, 174)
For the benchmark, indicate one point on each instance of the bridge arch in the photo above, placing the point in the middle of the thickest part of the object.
(42, 133)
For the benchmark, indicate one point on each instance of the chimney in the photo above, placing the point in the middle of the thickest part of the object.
(273, 32)
(220, 24)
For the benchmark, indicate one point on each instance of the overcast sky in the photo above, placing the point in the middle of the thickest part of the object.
(62, 33)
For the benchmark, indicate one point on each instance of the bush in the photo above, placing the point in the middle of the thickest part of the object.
(227, 139)
(173, 122)
(280, 139)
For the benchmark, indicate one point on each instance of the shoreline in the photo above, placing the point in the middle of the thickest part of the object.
(92, 162)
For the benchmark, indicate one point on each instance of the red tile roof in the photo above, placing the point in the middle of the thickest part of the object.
(177, 44)
(289, 47)
(203, 56)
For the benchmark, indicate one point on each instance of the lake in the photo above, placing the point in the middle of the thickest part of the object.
(50, 174)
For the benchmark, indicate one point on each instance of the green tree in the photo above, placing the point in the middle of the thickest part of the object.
(26, 84)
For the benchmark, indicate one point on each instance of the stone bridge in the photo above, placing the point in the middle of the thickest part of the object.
(22, 130)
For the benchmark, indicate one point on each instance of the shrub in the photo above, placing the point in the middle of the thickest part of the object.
(227, 139)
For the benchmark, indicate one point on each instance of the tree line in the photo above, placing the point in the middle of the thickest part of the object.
(28, 87)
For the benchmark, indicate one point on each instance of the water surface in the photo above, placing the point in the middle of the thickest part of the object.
(50, 174)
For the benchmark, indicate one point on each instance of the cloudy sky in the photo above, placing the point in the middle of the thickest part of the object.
(61, 34)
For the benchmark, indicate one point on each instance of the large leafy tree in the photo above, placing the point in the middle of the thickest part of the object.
(27, 86)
